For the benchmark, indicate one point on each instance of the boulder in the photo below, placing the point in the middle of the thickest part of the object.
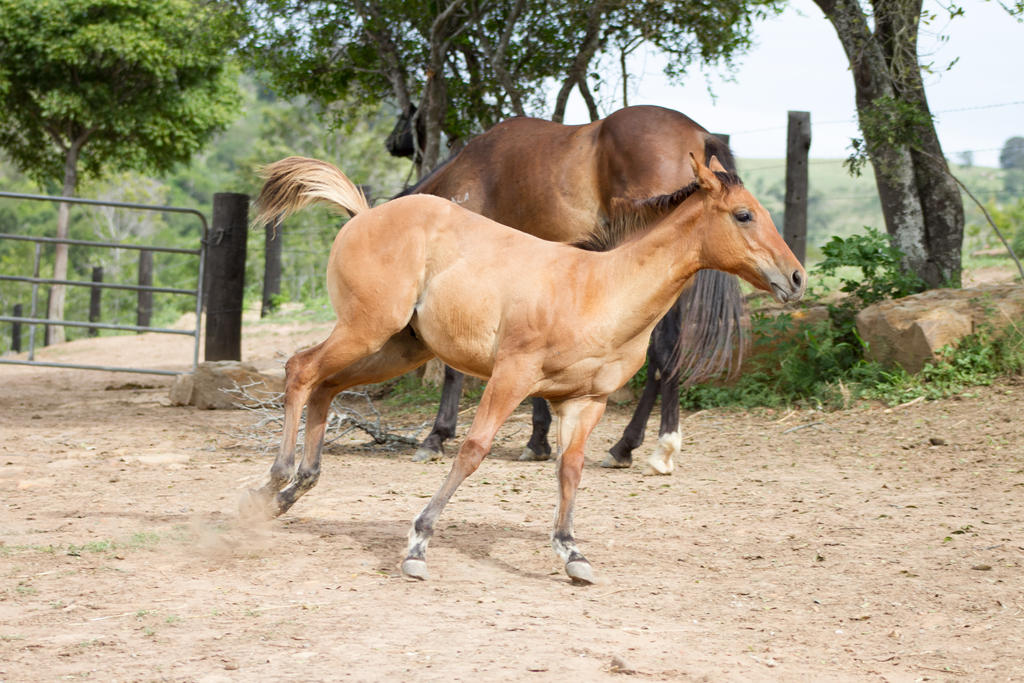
(801, 315)
(206, 388)
(910, 331)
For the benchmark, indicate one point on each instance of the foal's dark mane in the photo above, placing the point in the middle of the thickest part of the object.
(631, 216)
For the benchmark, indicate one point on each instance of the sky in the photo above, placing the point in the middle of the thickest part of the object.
(799, 64)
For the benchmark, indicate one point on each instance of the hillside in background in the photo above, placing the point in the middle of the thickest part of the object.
(841, 205)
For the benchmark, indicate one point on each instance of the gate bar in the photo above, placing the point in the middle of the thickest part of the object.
(98, 285)
(201, 253)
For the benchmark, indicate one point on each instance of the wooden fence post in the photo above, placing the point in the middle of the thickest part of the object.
(225, 276)
(271, 266)
(798, 143)
(144, 312)
(16, 330)
(95, 297)
(49, 330)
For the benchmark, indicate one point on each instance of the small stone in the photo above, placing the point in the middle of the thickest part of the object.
(619, 666)
(937, 441)
(982, 567)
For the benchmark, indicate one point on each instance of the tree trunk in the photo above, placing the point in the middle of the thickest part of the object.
(577, 73)
(435, 102)
(920, 201)
(896, 27)
(58, 293)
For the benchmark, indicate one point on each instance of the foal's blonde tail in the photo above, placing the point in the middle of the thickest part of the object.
(296, 182)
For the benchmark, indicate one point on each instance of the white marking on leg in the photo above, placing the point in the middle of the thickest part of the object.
(662, 460)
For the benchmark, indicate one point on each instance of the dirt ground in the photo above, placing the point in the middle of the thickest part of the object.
(873, 543)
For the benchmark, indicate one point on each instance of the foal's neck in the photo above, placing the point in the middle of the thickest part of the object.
(650, 270)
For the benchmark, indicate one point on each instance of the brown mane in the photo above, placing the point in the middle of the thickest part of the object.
(631, 216)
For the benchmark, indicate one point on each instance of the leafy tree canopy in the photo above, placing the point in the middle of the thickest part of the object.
(112, 84)
(467, 64)
(1012, 154)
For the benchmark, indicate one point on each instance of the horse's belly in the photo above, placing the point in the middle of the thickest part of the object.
(461, 337)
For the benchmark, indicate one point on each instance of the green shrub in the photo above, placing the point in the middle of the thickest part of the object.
(878, 260)
(822, 363)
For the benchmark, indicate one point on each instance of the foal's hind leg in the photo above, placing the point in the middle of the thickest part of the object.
(314, 378)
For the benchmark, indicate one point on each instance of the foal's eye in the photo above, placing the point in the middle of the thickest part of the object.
(743, 216)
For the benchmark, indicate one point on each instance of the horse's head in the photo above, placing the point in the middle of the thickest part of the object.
(739, 236)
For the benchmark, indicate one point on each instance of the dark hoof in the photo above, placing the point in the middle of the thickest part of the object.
(580, 572)
(415, 569)
(529, 455)
(611, 461)
(424, 454)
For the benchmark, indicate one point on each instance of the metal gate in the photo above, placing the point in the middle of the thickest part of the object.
(32, 320)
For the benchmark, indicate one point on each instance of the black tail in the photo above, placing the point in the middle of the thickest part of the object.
(712, 336)
(711, 331)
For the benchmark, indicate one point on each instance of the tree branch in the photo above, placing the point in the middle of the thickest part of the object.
(984, 211)
(577, 73)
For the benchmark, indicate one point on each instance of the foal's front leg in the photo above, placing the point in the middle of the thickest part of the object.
(577, 419)
(497, 403)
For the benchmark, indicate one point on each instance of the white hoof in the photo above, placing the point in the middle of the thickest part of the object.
(415, 569)
(580, 572)
(663, 459)
(425, 455)
(529, 456)
(610, 461)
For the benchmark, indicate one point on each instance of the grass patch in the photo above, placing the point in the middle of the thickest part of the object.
(137, 541)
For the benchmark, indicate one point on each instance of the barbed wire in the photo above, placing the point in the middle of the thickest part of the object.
(997, 105)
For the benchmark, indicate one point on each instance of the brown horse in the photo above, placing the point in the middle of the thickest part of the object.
(420, 277)
(575, 183)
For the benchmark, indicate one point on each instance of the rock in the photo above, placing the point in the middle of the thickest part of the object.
(910, 331)
(205, 389)
(801, 315)
(181, 390)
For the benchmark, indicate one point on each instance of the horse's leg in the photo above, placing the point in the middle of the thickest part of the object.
(501, 396)
(621, 454)
(314, 376)
(577, 419)
(661, 360)
(664, 355)
(258, 502)
(670, 440)
(538, 448)
(432, 447)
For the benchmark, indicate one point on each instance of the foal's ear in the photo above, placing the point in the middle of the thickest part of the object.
(716, 165)
(704, 175)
